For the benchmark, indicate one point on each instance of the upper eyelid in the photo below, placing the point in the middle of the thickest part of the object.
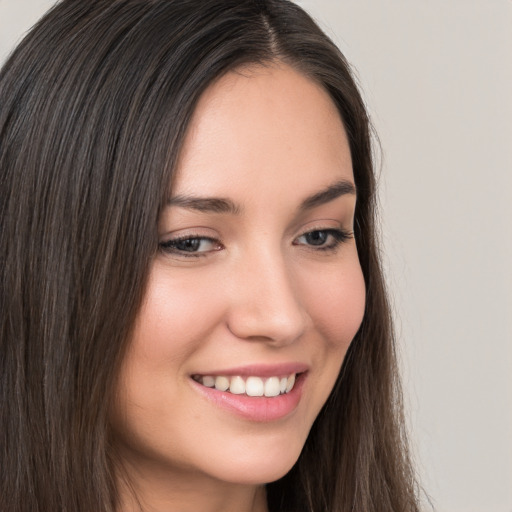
(183, 234)
(176, 236)
(181, 238)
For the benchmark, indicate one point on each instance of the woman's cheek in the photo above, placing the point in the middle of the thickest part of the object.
(336, 304)
(180, 310)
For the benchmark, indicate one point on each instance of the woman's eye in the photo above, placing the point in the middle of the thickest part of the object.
(323, 239)
(190, 245)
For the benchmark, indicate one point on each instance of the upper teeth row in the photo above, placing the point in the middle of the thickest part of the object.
(251, 386)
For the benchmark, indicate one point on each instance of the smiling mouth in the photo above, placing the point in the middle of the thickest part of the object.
(251, 385)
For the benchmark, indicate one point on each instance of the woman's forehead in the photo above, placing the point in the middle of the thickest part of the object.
(265, 124)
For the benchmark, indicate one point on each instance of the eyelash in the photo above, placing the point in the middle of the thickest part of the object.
(170, 246)
(339, 236)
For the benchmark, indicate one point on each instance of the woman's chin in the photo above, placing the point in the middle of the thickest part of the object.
(262, 468)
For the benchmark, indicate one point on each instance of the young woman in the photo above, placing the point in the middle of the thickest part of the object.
(193, 311)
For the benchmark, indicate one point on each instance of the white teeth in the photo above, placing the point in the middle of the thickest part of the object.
(254, 386)
(251, 386)
(237, 386)
(208, 381)
(272, 386)
(221, 383)
(291, 383)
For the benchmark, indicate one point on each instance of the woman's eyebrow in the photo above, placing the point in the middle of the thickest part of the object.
(337, 189)
(205, 204)
(224, 205)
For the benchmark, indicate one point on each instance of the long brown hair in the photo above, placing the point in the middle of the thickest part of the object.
(95, 102)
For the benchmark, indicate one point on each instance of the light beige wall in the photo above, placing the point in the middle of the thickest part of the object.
(437, 77)
(16, 17)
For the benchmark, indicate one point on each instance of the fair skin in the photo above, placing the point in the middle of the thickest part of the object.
(259, 281)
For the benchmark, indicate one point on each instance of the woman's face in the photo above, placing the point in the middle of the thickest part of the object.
(257, 282)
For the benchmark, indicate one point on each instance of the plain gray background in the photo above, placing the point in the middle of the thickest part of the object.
(437, 78)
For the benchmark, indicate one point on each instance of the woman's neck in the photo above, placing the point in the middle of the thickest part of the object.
(143, 491)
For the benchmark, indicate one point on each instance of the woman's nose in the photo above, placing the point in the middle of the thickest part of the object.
(265, 301)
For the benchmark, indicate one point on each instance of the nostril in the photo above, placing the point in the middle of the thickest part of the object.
(266, 328)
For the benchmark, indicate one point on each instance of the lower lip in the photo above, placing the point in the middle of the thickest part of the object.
(257, 408)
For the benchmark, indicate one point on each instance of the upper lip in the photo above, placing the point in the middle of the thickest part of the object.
(260, 370)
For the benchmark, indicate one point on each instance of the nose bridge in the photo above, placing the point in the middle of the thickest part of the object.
(265, 304)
